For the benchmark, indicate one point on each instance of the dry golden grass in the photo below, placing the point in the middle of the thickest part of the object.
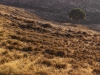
(34, 47)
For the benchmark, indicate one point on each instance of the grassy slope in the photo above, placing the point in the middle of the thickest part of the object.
(31, 46)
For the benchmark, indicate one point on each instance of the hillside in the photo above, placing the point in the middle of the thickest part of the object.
(57, 10)
(32, 46)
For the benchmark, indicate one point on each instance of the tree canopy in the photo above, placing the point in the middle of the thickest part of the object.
(77, 14)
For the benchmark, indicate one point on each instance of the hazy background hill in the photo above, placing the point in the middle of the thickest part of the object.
(57, 10)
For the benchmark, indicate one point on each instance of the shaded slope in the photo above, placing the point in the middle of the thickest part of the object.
(57, 10)
(31, 46)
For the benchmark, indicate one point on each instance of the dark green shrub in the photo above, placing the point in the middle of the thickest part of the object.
(77, 14)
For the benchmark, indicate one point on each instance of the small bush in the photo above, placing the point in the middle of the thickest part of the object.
(29, 21)
(5, 52)
(30, 48)
(61, 53)
(41, 73)
(60, 66)
(69, 35)
(47, 25)
(97, 70)
(56, 53)
(47, 63)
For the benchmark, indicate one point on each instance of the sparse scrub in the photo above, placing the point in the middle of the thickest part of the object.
(56, 53)
(46, 62)
(41, 73)
(47, 25)
(29, 21)
(30, 48)
(60, 66)
(70, 35)
(97, 70)
(17, 18)
(49, 56)
(5, 52)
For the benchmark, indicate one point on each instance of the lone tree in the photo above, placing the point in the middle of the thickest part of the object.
(77, 14)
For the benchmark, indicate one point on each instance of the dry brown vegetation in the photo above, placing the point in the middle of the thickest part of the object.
(35, 47)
